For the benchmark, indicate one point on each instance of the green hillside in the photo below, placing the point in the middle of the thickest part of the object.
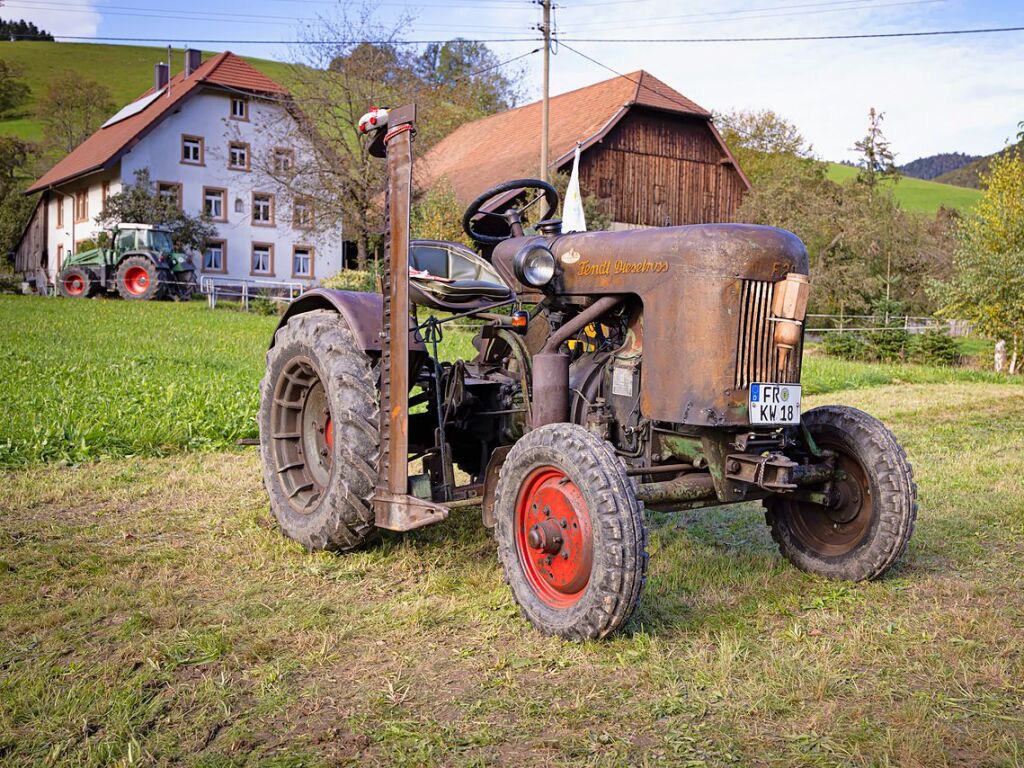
(127, 70)
(916, 194)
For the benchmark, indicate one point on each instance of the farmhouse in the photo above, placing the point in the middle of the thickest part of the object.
(205, 137)
(650, 155)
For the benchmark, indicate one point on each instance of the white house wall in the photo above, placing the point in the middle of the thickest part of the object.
(62, 240)
(207, 115)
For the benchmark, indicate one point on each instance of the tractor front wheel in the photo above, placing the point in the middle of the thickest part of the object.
(872, 507)
(571, 533)
(319, 433)
(139, 279)
(75, 283)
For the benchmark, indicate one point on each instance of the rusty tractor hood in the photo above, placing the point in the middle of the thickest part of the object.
(700, 285)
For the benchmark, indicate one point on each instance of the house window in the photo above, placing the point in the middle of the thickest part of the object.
(60, 256)
(238, 156)
(215, 257)
(60, 212)
(192, 150)
(215, 203)
(302, 213)
(262, 259)
(239, 109)
(262, 209)
(81, 206)
(302, 261)
(106, 193)
(284, 160)
(239, 205)
(170, 190)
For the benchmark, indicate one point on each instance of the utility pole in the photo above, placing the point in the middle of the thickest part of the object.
(546, 29)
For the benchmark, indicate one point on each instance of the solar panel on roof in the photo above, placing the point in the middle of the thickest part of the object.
(134, 108)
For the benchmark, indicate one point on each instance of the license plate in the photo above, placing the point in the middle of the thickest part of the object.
(774, 404)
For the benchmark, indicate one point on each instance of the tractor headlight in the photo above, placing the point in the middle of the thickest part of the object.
(534, 265)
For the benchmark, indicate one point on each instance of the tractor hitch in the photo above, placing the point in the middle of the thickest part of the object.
(775, 472)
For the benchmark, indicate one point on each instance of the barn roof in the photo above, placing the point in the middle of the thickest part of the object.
(225, 70)
(482, 153)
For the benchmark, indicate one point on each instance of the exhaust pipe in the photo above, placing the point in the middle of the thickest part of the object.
(551, 366)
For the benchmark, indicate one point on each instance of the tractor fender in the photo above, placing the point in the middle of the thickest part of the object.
(363, 312)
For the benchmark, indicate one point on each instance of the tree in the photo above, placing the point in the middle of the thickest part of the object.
(22, 30)
(332, 86)
(762, 142)
(437, 215)
(987, 287)
(72, 108)
(140, 203)
(877, 162)
(13, 92)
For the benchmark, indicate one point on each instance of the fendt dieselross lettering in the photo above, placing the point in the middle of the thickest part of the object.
(614, 370)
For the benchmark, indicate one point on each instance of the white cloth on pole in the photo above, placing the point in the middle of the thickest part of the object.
(573, 219)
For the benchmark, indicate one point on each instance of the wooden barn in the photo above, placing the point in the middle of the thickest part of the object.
(650, 155)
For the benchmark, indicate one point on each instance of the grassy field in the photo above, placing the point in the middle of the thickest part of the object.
(127, 70)
(152, 614)
(917, 194)
(85, 380)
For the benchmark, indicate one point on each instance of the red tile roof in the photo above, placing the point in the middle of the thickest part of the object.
(479, 154)
(225, 70)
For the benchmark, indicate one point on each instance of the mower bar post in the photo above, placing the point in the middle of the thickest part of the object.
(394, 508)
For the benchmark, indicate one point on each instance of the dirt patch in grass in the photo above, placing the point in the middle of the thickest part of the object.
(150, 612)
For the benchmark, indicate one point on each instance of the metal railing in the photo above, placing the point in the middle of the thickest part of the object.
(239, 289)
(865, 323)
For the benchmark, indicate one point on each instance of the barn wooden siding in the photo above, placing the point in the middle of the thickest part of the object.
(656, 170)
(31, 253)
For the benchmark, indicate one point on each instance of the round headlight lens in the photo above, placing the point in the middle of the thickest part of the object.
(535, 265)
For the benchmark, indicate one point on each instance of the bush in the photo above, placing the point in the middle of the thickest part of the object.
(887, 345)
(847, 345)
(352, 280)
(936, 347)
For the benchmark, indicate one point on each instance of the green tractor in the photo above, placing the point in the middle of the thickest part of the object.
(138, 261)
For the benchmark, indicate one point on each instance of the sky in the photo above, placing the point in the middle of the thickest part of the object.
(939, 94)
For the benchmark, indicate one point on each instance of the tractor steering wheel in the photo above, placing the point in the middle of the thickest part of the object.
(513, 217)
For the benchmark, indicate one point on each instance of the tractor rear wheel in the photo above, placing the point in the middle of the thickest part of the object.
(139, 279)
(75, 283)
(319, 433)
(870, 517)
(571, 533)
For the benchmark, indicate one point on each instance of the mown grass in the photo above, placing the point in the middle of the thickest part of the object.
(917, 195)
(127, 70)
(97, 378)
(151, 613)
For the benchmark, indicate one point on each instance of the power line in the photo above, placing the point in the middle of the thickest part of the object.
(560, 40)
(264, 41)
(174, 13)
(787, 38)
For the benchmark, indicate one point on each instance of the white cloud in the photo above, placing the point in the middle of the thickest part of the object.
(63, 22)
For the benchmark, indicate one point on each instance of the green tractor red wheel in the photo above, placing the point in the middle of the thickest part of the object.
(139, 279)
(74, 283)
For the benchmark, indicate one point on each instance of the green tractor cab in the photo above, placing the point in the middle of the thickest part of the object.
(136, 260)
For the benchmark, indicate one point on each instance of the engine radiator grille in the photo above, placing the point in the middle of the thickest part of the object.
(757, 358)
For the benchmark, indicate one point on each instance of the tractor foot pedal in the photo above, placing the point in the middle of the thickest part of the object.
(400, 512)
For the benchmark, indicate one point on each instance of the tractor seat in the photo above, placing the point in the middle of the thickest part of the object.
(451, 277)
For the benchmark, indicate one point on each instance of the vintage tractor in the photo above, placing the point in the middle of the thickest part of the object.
(614, 370)
(138, 261)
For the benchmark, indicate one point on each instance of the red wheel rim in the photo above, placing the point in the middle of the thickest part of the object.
(74, 285)
(136, 280)
(553, 537)
(329, 432)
